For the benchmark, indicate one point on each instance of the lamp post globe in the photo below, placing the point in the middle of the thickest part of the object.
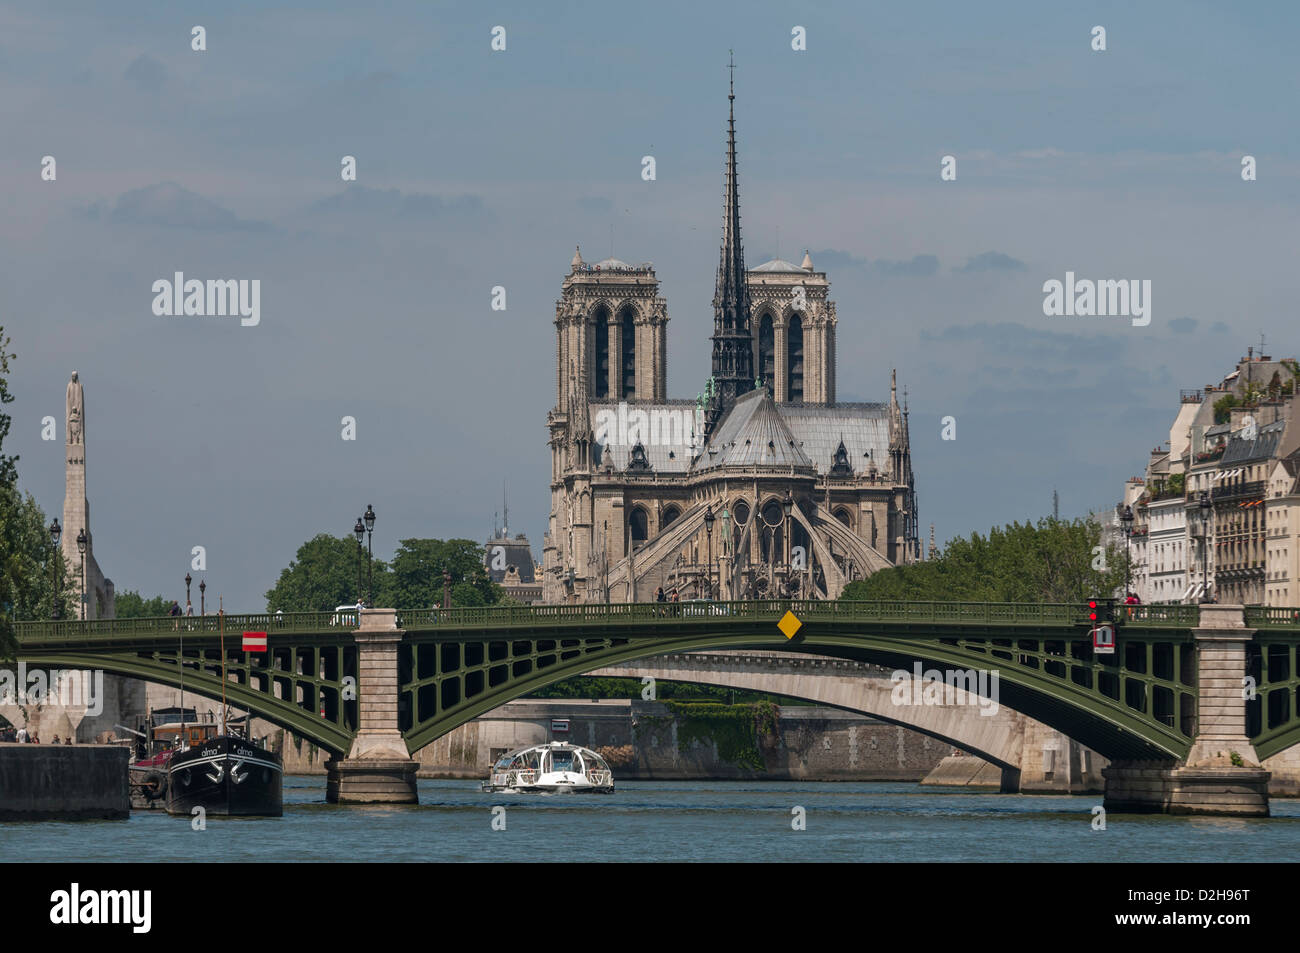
(360, 531)
(81, 548)
(370, 555)
(1205, 505)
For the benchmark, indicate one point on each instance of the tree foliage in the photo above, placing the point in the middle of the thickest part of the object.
(324, 575)
(1051, 561)
(132, 605)
(27, 558)
(416, 578)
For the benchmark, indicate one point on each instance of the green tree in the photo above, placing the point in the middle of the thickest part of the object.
(28, 564)
(1051, 561)
(323, 575)
(27, 558)
(132, 605)
(416, 578)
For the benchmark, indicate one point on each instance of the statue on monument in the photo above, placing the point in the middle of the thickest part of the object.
(75, 411)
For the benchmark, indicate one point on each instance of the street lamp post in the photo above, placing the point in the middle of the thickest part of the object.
(81, 548)
(56, 531)
(708, 532)
(1204, 505)
(360, 531)
(203, 606)
(725, 550)
(370, 564)
(188, 580)
(1126, 517)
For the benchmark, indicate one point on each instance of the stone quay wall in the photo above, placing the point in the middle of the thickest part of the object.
(63, 782)
(809, 744)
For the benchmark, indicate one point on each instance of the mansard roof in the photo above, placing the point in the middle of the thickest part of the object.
(518, 553)
(1261, 448)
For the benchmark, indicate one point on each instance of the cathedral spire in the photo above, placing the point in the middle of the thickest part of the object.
(732, 342)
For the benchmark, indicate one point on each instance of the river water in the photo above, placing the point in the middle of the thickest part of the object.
(648, 821)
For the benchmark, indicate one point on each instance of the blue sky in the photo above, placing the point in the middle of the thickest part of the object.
(478, 169)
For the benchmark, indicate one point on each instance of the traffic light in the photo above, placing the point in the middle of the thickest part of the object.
(1100, 611)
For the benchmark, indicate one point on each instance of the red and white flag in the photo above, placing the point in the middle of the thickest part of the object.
(254, 641)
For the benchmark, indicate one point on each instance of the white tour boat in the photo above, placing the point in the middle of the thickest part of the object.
(551, 768)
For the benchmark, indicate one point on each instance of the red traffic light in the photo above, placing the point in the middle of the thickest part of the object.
(1092, 610)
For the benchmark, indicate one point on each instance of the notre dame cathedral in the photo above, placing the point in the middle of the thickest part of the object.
(762, 486)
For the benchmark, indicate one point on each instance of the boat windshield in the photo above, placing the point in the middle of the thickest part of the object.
(562, 761)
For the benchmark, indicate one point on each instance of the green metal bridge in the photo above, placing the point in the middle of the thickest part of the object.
(456, 664)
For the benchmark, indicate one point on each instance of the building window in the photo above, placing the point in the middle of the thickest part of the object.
(600, 342)
(794, 360)
(767, 352)
(627, 390)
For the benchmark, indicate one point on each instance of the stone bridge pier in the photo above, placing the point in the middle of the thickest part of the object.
(1222, 774)
(378, 769)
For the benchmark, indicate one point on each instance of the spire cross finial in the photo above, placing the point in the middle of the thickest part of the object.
(731, 93)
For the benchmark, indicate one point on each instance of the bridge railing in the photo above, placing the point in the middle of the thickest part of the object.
(235, 624)
(1264, 617)
(988, 613)
(559, 616)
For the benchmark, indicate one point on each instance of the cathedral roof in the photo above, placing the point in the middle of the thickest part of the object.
(612, 263)
(753, 434)
(819, 428)
(779, 265)
(664, 429)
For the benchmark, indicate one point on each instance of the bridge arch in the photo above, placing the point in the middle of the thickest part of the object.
(333, 735)
(997, 738)
(1030, 682)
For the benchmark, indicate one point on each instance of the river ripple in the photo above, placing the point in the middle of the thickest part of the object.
(649, 821)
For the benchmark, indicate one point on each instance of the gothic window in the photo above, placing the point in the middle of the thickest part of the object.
(843, 516)
(794, 360)
(740, 513)
(600, 344)
(770, 541)
(767, 352)
(628, 381)
(670, 513)
(639, 523)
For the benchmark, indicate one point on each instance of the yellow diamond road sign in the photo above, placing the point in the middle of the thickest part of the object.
(789, 625)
